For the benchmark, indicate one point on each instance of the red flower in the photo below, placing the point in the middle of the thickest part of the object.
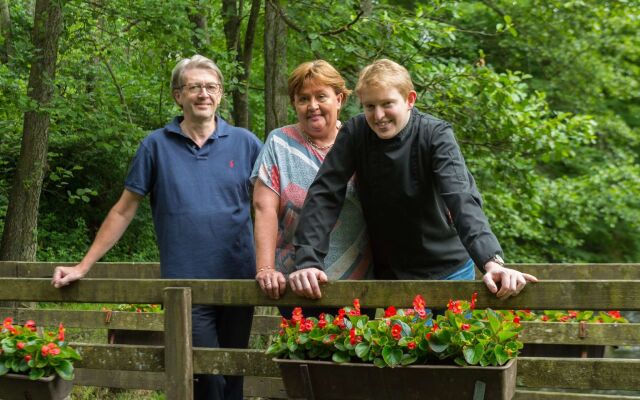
(305, 325)
(516, 320)
(544, 318)
(284, 323)
(297, 315)
(418, 303)
(409, 311)
(614, 314)
(390, 312)
(435, 326)
(31, 325)
(573, 314)
(20, 345)
(564, 318)
(353, 339)
(411, 345)
(427, 335)
(474, 298)
(7, 322)
(55, 351)
(44, 350)
(27, 358)
(465, 327)
(339, 321)
(396, 331)
(322, 322)
(61, 332)
(455, 306)
(356, 304)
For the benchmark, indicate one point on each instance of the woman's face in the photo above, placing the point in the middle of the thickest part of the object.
(317, 107)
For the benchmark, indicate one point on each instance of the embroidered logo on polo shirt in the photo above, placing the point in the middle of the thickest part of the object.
(231, 164)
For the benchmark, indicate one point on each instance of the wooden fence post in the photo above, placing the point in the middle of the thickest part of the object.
(178, 356)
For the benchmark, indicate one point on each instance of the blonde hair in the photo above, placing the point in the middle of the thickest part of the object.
(385, 74)
(321, 72)
(197, 61)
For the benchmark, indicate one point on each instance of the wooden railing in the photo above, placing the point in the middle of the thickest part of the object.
(169, 367)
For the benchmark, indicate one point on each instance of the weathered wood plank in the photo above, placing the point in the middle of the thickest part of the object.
(178, 362)
(89, 319)
(570, 333)
(129, 270)
(533, 395)
(581, 271)
(615, 294)
(579, 373)
(121, 357)
(119, 379)
(234, 362)
(134, 270)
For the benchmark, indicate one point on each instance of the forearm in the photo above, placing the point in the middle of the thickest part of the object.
(112, 229)
(266, 233)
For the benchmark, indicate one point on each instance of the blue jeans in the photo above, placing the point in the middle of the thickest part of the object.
(220, 326)
(466, 273)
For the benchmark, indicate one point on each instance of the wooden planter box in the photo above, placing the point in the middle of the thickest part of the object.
(129, 336)
(20, 387)
(562, 350)
(325, 380)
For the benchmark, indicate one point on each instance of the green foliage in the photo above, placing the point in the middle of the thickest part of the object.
(24, 351)
(403, 337)
(543, 97)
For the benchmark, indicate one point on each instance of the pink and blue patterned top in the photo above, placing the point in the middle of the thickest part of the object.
(288, 165)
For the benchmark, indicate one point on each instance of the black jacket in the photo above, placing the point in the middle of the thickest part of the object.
(422, 207)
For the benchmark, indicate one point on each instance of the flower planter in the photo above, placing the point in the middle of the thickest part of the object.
(562, 350)
(325, 380)
(130, 336)
(20, 387)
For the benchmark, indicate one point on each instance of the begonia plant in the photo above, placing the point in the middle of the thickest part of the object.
(463, 335)
(25, 351)
(565, 316)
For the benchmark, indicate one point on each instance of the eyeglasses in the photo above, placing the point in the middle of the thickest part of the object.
(211, 88)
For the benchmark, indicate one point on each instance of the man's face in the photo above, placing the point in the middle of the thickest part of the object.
(198, 105)
(386, 110)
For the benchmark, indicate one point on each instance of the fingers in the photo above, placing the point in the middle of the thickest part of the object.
(511, 282)
(305, 282)
(272, 283)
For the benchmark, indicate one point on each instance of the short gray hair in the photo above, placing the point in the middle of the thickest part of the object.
(197, 61)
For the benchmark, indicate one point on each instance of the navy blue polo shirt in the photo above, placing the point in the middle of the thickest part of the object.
(199, 200)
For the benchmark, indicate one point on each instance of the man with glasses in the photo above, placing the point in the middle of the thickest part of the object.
(196, 170)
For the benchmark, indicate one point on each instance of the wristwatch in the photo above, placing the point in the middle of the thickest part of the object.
(497, 259)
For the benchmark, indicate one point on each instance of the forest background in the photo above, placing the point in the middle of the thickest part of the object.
(544, 97)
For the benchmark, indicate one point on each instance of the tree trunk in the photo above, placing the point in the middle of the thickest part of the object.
(19, 239)
(275, 69)
(200, 36)
(5, 27)
(232, 13)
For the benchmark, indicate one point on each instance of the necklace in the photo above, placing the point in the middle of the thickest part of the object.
(315, 146)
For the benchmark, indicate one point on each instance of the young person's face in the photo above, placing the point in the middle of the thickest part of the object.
(386, 110)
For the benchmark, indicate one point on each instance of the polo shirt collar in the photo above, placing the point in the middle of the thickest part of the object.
(222, 128)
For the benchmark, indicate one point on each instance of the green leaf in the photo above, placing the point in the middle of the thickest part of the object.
(408, 359)
(473, 354)
(65, 370)
(362, 349)
(494, 321)
(3, 369)
(506, 335)
(36, 374)
(391, 356)
(379, 362)
(340, 357)
(501, 355)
